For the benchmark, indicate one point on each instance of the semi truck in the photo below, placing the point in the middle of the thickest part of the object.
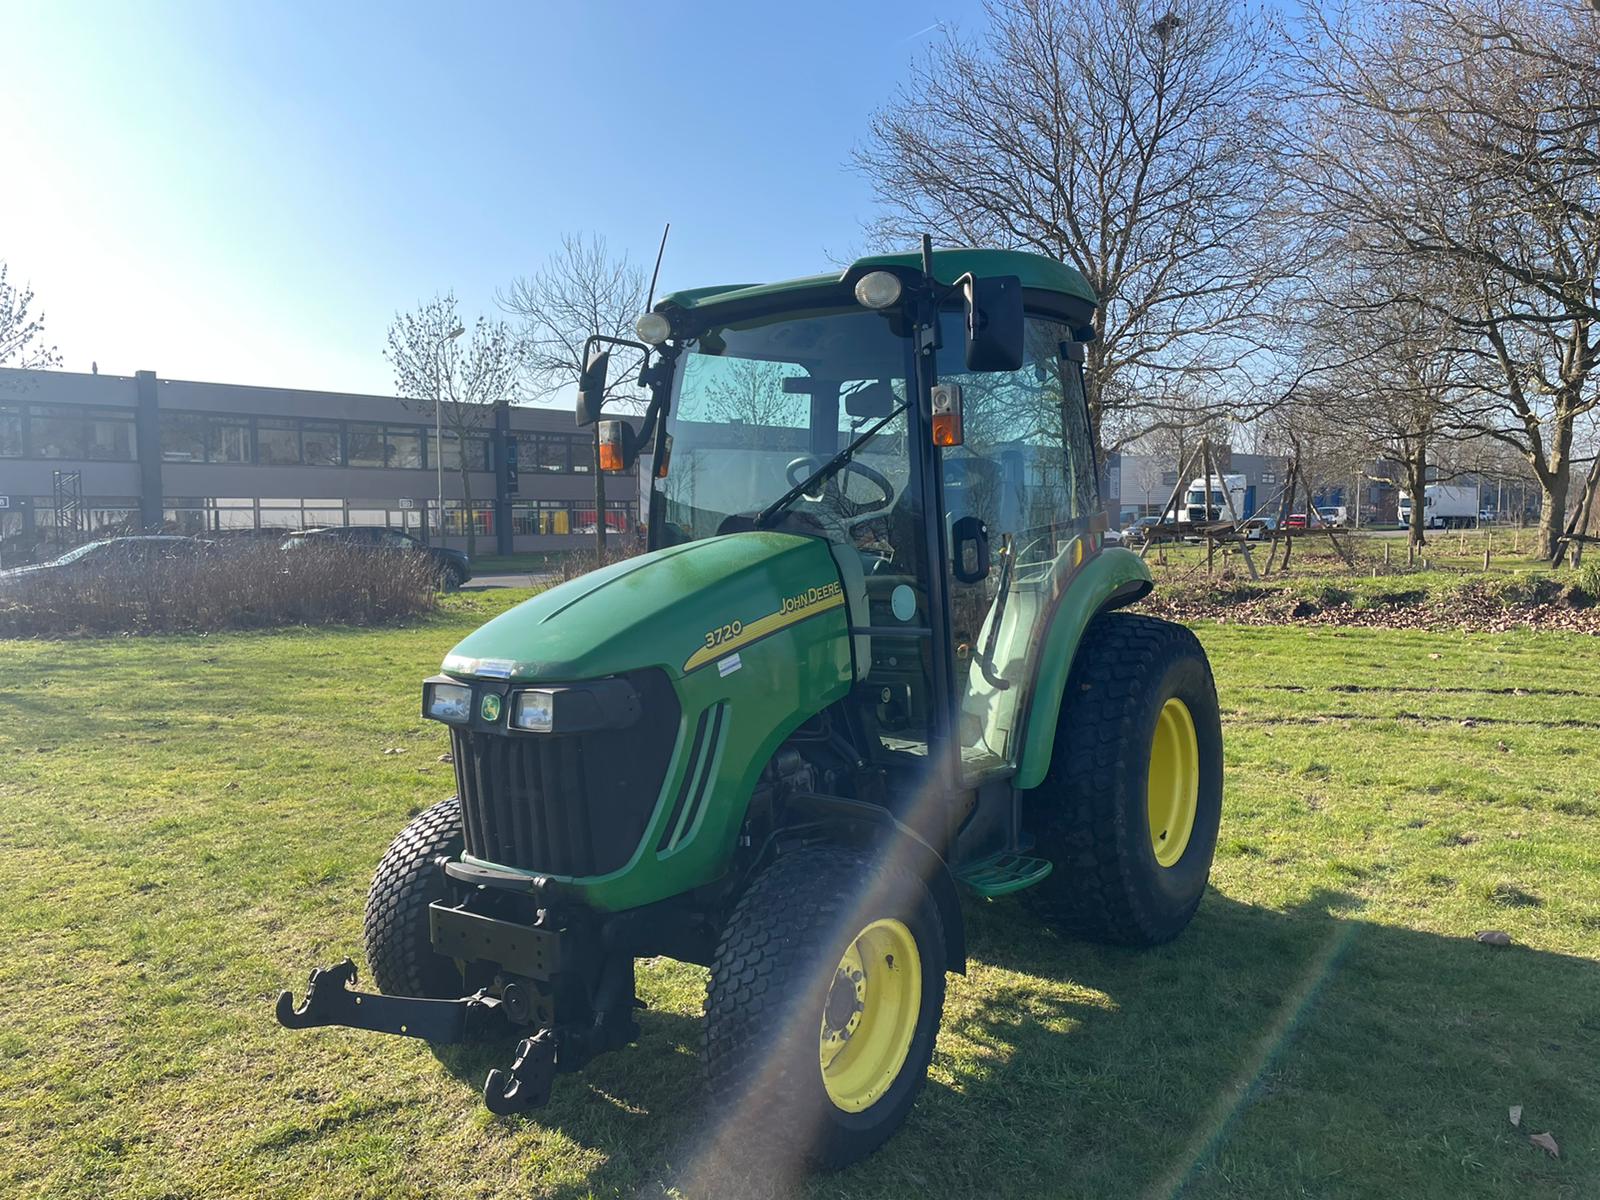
(1199, 509)
(1445, 506)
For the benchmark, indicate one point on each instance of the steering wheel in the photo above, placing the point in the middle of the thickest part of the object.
(832, 488)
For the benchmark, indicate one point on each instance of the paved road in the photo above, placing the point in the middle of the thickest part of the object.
(509, 581)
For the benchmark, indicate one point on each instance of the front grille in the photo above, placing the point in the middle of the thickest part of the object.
(574, 804)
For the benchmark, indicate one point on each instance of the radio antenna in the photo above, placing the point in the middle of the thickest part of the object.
(654, 275)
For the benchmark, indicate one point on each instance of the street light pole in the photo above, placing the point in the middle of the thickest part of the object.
(438, 422)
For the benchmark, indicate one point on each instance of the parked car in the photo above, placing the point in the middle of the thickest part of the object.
(1296, 521)
(108, 554)
(453, 566)
(1257, 528)
(1139, 531)
(1332, 516)
(1487, 516)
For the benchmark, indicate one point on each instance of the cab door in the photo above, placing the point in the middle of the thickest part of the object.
(1025, 469)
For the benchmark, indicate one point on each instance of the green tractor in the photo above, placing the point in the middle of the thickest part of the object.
(872, 657)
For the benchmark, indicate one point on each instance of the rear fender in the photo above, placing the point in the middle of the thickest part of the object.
(854, 823)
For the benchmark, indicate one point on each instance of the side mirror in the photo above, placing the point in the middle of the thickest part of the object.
(592, 387)
(969, 550)
(994, 323)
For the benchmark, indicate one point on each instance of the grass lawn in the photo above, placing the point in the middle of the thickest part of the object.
(189, 823)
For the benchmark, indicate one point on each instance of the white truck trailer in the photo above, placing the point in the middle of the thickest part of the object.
(1444, 506)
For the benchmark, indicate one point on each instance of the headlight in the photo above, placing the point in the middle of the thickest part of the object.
(450, 702)
(534, 711)
(653, 328)
(878, 289)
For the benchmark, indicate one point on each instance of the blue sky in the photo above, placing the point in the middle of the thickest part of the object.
(247, 193)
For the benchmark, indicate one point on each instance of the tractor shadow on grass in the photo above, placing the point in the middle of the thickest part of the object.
(1265, 1052)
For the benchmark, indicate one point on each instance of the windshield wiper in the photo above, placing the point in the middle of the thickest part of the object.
(825, 472)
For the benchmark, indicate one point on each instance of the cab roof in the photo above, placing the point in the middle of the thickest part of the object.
(1035, 271)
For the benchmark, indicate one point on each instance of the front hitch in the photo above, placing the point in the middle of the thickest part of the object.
(524, 1085)
(329, 1001)
(527, 1082)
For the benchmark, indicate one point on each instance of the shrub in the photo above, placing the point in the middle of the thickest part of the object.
(1586, 579)
(581, 562)
(239, 585)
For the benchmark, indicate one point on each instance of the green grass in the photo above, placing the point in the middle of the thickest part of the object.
(190, 822)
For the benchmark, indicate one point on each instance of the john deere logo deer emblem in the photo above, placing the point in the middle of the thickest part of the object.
(489, 710)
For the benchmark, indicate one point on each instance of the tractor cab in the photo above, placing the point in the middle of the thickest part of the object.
(871, 658)
(927, 422)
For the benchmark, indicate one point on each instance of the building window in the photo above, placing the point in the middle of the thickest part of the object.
(319, 441)
(289, 514)
(112, 514)
(201, 437)
(183, 437)
(323, 512)
(277, 442)
(619, 517)
(477, 451)
(541, 517)
(10, 431)
(1268, 477)
(552, 453)
(75, 431)
(228, 440)
(280, 514)
(208, 514)
(364, 445)
(455, 517)
(403, 447)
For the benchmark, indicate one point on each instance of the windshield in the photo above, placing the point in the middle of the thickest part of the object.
(759, 405)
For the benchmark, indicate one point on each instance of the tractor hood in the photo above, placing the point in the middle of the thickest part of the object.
(682, 609)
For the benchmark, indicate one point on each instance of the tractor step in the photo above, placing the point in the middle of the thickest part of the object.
(1002, 874)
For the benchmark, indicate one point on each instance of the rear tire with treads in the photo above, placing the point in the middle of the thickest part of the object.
(398, 942)
(1138, 746)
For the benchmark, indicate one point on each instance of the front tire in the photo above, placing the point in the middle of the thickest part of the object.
(398, 941)
(1130, 808)
(825, 998)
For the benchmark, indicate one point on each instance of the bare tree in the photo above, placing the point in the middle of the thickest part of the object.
(19, 332)
(750, 392)
(1385, 367)
(1174, 433)
(1124, 138)
(580, 290)
(457, 384)
(1465, 134)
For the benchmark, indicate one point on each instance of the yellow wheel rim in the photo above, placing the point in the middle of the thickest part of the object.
(870, 1015)
(1173, 790)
